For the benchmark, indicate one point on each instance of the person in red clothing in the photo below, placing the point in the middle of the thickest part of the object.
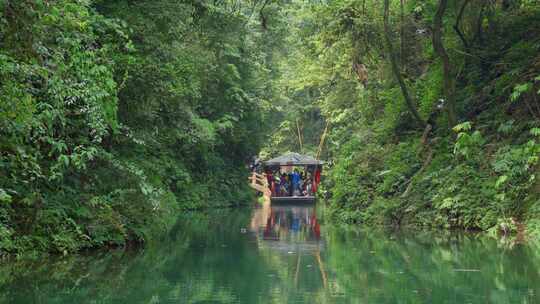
(317, 179)
(269, 178)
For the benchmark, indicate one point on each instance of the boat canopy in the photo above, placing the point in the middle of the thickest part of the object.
(292, 159)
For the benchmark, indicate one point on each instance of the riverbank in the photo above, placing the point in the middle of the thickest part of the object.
(483, 180)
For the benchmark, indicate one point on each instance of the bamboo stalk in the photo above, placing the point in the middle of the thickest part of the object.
(323, 137)
(299, 136)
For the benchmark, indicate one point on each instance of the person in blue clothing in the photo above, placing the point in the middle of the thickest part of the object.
(283, 185)
(296, 182)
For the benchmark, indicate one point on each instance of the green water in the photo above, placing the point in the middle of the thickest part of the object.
(283, 255)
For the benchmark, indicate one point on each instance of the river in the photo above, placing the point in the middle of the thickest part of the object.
(283, 254)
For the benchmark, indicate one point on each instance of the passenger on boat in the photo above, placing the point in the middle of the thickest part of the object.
(308, 184)
(269, 178)
(316, 180)
(283, 185)
(296, 182)
(290, 184)
(301, 182)
(255, 164)
(277, 184)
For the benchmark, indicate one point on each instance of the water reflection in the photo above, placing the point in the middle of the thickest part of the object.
(293, 230)
(283, 254)
(287, 226)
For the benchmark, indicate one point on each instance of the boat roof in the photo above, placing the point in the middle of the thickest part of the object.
(293, 159)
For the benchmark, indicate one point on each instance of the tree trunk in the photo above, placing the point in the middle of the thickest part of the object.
(402, 34)
(448, 80)
(395, 67)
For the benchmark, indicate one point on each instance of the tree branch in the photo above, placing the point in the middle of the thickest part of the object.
(395, 68)
(458, 21)
(263, 18)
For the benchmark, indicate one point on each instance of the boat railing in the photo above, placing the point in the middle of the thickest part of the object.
(259, 182)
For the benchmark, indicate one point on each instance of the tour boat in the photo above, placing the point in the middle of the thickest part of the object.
(290, 178)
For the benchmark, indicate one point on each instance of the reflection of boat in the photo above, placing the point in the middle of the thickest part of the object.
(292, 199)
(287, 228)
(291, 229)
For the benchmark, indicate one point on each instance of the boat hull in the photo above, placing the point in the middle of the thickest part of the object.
(293, 199)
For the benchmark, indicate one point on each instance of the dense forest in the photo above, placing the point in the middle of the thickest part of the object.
(117, 115)
(432, 110)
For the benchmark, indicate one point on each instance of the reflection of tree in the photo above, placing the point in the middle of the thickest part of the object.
(205, 258)
(295, 230)
(192, 265)
(208, 258)
(427, 268)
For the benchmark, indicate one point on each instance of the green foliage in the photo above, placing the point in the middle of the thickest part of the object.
(467, 145)
(113, 120)
(481, 173)
(116, 115)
